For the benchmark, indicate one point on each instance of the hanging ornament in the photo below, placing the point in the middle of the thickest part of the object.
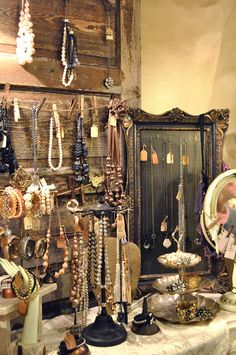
(25, 38)
(166, 242)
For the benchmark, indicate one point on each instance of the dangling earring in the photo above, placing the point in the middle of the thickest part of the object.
(143, 153)
(170, 155)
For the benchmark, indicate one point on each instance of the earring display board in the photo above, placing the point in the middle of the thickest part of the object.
(163, 150)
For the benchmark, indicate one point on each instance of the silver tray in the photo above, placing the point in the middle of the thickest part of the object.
(162, 284)
(164, 306)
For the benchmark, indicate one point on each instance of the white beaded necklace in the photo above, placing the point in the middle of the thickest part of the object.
(55, 118)
(25, 38)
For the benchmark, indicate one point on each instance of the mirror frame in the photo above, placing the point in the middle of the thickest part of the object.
(216, 124)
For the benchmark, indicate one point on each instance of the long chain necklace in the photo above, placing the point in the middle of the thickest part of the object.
(8, 160)
(180, 198)
(146, 243)
(35, 112)
(153, 235)
(108, 82)
(80, 165)
(55, 118)
(92, 252)
(25, 38)
(69, 56)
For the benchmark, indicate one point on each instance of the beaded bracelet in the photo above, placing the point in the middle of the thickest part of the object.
(30, 287)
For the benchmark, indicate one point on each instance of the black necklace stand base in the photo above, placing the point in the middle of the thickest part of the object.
(104, 331)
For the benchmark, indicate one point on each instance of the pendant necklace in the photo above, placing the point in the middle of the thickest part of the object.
(25, 38)
(108, 82)
(146, 243)
(164, 223)
(153, 235)
(69, 55)
(181, 206)
(55, 118)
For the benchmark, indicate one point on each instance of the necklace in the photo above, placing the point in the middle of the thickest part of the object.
(80, 165)
(8, 162)
(55, 118)
(25, 38)
(108, 82)
(35, 112)
(146, 243)
(69, 56)
(153, 235)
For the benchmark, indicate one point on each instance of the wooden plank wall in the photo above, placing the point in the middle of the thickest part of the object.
(43, 78)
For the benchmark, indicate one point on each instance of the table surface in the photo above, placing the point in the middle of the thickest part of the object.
(8, 305)
(210, 337)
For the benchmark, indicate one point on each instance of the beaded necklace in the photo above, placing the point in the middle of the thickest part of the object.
(8, 162)
(55, 118)
(80, 165)
(69, 55)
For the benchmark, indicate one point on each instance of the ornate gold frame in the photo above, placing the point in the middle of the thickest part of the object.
(216, 124)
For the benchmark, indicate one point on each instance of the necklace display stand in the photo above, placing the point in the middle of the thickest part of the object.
(104, 331)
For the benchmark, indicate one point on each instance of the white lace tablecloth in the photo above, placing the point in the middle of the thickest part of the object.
(208, 338)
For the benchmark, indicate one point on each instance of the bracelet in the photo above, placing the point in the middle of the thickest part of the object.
(142, 319)
(13, 248)
(26, 248)
(40, 248)
(17, 290)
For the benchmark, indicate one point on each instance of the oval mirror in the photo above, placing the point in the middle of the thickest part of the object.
(218, 222)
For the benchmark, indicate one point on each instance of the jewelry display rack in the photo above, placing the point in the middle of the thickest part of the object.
(104, 331)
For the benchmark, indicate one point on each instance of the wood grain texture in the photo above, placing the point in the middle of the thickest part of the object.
(88, 20)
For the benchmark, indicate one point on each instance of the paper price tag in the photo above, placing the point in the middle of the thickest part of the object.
(28, 222)
(112, 121)
(223, 242)
(231, 248)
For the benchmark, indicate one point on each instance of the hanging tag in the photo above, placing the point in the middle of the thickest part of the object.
(4, 141)
(112, 121)
(179, 195)
(231, 248)
(23, 306)
(70, 341)
(94, 131)
(143, 154)
(28, 222)
(170, 156)
(155, 159)
(164, 224)
(61, 242)
(109, 34)
(62, 133)
(185, 159)
(223, 242)
(35, 223)
(16, 110)
(4, 241)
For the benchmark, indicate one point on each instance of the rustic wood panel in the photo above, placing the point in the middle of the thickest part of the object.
(88, 19)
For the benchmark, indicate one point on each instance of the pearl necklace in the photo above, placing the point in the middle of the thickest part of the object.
(69, 57)
(25, 39)
(58, 135)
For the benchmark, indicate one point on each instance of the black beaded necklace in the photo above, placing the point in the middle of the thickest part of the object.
(80, 153)
(8, 162)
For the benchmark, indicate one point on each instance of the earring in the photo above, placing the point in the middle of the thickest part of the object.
(143, 153)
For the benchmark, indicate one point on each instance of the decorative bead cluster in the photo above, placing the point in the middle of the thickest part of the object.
(114, 184)
(8, 161)
(108, 82)
(58, 135)
(25, 39)
(69, 56)
(203, 313)
(80, 165)
(176, 286)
